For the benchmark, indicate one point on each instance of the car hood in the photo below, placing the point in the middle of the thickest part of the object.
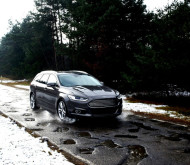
(94, 91)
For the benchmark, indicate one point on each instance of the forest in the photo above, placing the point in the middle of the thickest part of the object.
(118, 41)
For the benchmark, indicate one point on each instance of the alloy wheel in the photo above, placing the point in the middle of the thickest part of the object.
(61, 110)
(32, 101)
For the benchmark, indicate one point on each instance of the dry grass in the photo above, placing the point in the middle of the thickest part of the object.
(26, 83)
(4, 78)
(17, 83)
(164, 117)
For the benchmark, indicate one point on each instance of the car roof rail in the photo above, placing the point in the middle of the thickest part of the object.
(48, 71)
(78, 71)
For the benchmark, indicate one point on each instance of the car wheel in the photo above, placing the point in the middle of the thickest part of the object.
(33, 102)
(61, 110)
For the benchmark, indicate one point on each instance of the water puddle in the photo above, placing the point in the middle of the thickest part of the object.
(133, 130)
(61, 129)
(43, 124)
(27, 114)
(86, 150)
(136, 154)
(84, 134)
(29, 119)
(126, 136)
(67, 141)
(37, 129)
(12, 111)
(110, 144)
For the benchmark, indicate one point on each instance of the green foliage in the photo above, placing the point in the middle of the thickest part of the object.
(118, 41)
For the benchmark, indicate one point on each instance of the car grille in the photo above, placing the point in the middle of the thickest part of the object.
(103, 111)
(103, 103)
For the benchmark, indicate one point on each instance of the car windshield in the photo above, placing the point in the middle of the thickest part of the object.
(71, 79)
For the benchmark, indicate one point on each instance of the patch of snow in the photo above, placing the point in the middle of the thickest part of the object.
(140, 107)
(150, 108)
(8, 95)
(20, 148)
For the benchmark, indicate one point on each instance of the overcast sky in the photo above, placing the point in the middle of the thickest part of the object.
(18, 9)
(13, 10)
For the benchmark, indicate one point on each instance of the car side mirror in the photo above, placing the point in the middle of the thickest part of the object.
(51, 85)
(101, 82)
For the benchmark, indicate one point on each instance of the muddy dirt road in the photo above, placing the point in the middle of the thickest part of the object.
(128, 139)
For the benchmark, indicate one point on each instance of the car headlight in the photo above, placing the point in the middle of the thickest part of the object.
(77, 98)
(118, 95)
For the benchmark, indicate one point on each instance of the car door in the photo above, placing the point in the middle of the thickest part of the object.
(51, 93)
(40, 90)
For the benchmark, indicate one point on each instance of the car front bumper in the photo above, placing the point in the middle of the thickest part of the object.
(78, 110)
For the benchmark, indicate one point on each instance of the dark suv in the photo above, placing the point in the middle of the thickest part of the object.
(74, 94)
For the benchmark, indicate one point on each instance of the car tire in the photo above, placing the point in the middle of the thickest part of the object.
(33, 102)
(62, 110)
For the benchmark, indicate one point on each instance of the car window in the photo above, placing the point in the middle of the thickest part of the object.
(38, 77)
(70, 80)
(52, 79)
(44, 78)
